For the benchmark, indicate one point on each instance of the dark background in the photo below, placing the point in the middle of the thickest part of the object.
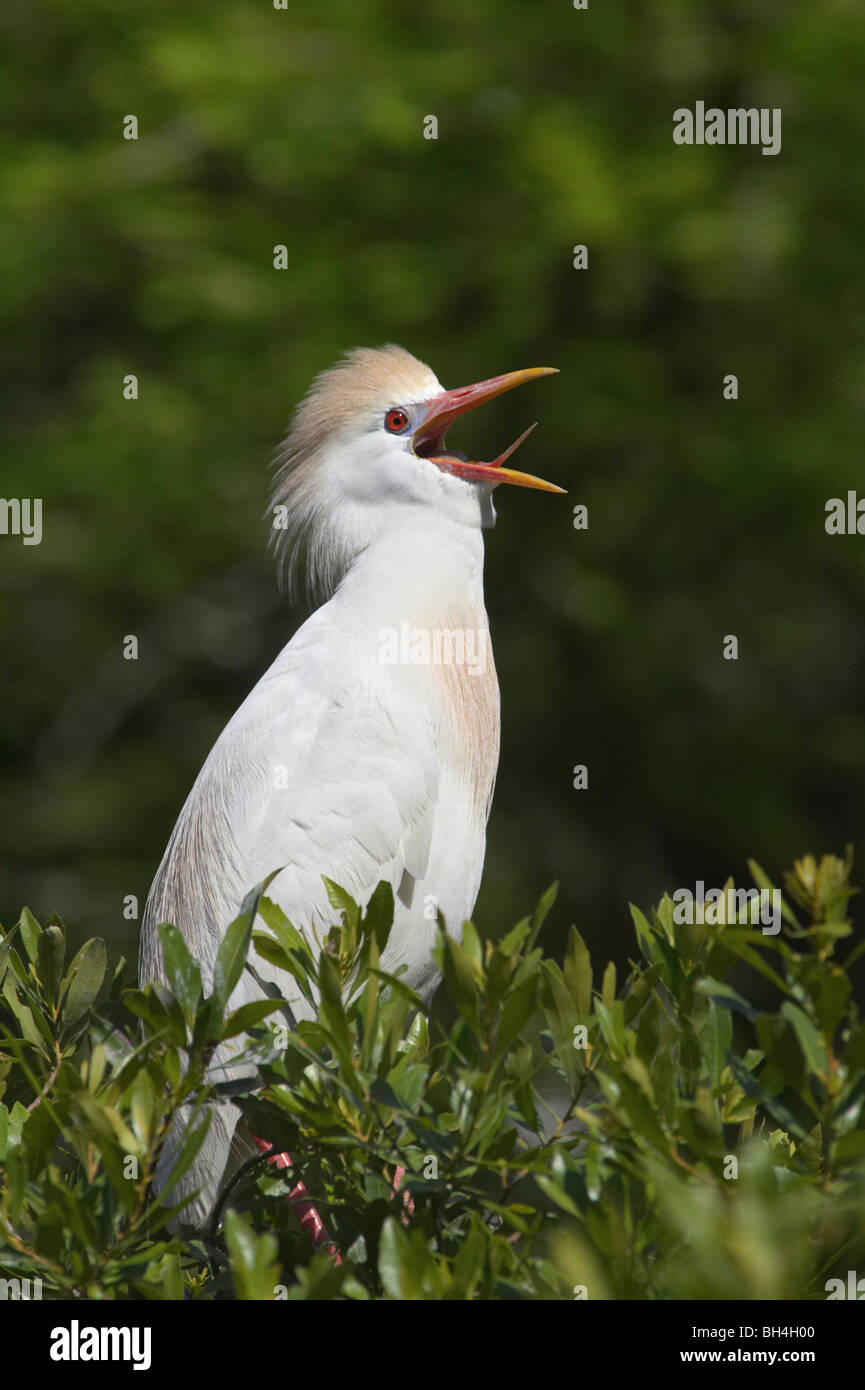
(305, 127)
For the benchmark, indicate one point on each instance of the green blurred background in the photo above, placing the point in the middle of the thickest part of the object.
(305, 127)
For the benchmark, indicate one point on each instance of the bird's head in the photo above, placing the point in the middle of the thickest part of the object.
(366, 453)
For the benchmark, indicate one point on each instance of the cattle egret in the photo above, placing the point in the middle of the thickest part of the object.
(369, 749)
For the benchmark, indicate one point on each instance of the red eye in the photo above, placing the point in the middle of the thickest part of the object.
(395, 421)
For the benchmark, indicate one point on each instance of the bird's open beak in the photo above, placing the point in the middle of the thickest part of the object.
(428, 439)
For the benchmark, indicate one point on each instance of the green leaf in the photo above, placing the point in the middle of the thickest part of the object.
(248, 1015)
(34, 1027)
(50, 953)
(144, 1003)
(163, 1279)
(775, 1107)
(254, 1265)
(518, 1009)
(5, 949)
(83, 981)
(378, 917)
(539, 916)
(392, 1254)
(231, 957)
(608, 988)
(332, 1011)
(762, 880)
(716, 1039)
(182, 970)
(813, 1051)
(612, 1021)
(173, 1012)
(513, 940)
(297, 962)
(557, 1194)
(399, 987)
(642, 1115)
(143, 1105)
(461, 980)
(30, 933)
(645, 935)
(640, 990)
(342, 901)
(738, 940)
(561, 1016)
(274, 918)
(831, 994)
(577, 971)
(474, 951)
(725, 995)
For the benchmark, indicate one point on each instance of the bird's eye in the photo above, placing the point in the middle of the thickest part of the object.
(395, 421)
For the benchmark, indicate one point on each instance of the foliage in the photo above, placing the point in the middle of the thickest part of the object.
(304, 127)
(561, 1134)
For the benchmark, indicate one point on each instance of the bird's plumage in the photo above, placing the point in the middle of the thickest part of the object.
(343, 403)
(340, 763)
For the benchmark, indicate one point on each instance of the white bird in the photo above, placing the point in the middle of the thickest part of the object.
(369, 749)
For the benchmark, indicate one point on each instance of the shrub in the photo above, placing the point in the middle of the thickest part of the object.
(560, 1136)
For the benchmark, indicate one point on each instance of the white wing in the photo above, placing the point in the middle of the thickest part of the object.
(333, 765)
(330, 766)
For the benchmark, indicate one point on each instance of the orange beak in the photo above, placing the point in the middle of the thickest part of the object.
(428, 439)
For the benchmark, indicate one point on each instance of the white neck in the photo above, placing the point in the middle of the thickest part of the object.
(424, 567)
